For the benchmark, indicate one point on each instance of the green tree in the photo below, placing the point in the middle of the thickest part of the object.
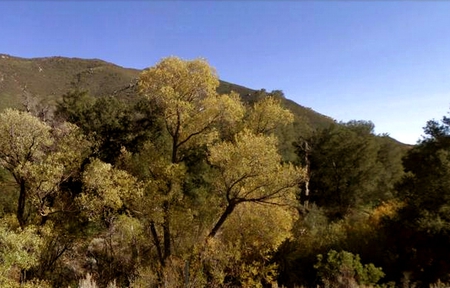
(343, 166)
(19, 250)
(24, 138)
(110, 123)
(422, 225)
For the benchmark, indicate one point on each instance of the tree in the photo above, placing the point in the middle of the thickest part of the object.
(39, 158)
(19, 251)
(107, 190)
(192, 115)
(422, 224)
(24, 139)
(266, 115)
(110, 123)
(343, 166)
(250, 170)
(343, 269)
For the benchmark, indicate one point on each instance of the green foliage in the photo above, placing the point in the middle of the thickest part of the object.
(339, 269)
(422, 224)
(109, 122)
(23, 138)
(348, 167)
(19, 250)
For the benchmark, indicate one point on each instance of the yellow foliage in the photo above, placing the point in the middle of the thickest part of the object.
(38, 156)
(185, 92)
(386, 209)
(174, 78)
(107, 189)
(250, 169)
(259, 228)
(267, 115)
(19, 249)
(23, 138)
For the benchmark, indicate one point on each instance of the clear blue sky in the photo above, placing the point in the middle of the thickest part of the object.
(388, 61)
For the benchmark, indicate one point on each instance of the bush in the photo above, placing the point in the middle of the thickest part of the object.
(344, 269)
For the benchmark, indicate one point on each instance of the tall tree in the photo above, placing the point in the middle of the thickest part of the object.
(342, 165)
(192, 115)
(422, 225)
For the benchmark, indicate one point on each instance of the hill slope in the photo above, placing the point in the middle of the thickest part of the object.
(49, 78)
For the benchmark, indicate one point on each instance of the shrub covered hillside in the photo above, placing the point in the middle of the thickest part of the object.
(185, 186)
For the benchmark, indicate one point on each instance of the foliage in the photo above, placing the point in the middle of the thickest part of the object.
(39, 157)
(255, 232)
(109, 122)
(24, 138)
(341, 268)
(107, 190)
(249, 170)
(421, 227)
(19, 251)
(359, 233)
(174, 180)
(267, 115)
(187, 163)
(184, 92)
(348, 168)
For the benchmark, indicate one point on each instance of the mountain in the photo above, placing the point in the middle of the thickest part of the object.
(47, 79)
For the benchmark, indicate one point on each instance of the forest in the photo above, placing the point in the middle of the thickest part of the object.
(183, 186)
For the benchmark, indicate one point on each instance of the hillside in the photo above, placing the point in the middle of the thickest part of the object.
(49, 78)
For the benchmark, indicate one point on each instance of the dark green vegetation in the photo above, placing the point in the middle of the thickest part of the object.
(165, 177)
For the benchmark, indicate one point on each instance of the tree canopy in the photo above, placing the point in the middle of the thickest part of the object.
(180, 185)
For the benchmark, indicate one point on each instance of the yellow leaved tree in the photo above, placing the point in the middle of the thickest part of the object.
(39, 158)
(250, 170)
(213, 145)
(192, 113)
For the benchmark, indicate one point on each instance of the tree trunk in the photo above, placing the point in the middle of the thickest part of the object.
(156, 242)
(308, 174)
(222, 219)
(21, 204)
(166, 230)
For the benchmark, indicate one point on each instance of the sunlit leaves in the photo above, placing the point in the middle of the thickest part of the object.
(267, 114)
(39, 157)
(23, 138)
(173, 79)
(19, 249)
(62, 160)
(258, 229)
(250, 169)
(107, 189)
(185, 93)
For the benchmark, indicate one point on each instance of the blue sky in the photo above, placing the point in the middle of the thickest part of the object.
(387, 61)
